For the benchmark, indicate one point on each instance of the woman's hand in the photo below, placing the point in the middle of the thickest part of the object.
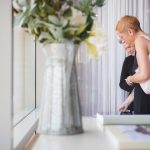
(123, 107)
(128, 80)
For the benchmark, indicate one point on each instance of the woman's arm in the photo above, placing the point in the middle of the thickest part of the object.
(143, 62)
(123, 107)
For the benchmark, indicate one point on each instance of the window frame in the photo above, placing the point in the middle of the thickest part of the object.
(25, 127)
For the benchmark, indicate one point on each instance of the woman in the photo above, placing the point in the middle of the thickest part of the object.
(129, 31)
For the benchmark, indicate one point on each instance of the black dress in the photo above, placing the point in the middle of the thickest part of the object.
(127, 70)
(141, 100)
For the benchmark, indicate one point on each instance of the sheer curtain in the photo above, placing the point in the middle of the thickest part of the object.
(99, 79)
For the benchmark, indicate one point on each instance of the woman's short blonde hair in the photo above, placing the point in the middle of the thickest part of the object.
(128, 22)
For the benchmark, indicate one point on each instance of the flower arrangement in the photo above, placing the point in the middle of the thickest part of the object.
(54, 21)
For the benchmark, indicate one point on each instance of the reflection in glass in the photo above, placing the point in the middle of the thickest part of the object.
(23, 74)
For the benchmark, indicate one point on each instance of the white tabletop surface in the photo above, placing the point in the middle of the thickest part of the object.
(93, 138)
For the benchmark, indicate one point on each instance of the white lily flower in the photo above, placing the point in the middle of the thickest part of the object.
(97, 41)
(77, 18)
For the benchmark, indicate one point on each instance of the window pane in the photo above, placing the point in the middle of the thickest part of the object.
(23, 74)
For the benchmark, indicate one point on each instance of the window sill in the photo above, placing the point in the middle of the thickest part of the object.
(24, 130)
(19, 116)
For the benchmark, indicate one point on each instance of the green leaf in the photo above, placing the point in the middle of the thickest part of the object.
(50, 10)
(54, 20)
(44, 36)
(69, 32)
(67, 13)
(85, 6)
(99, 3)
(21, 19)
(16, 6)
(64, 23)
(55, 31)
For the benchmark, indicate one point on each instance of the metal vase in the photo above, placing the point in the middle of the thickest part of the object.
(60, 106)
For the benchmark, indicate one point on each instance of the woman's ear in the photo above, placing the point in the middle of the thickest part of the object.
(130, 32)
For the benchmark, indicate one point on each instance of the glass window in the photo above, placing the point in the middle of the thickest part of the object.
(23, 74)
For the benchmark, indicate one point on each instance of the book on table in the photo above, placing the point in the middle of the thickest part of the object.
(129, 137)
(122, 119)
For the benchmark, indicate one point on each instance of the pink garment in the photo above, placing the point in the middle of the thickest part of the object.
(145, 85)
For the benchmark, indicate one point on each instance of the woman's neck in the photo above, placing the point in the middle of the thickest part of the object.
(140, 33)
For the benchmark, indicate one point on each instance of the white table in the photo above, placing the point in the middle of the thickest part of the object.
(92, 139)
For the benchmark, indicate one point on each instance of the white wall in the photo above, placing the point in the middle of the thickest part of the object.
(5, 75)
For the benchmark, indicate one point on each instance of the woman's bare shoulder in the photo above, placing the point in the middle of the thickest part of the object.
(141, 45)
(143, 37)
